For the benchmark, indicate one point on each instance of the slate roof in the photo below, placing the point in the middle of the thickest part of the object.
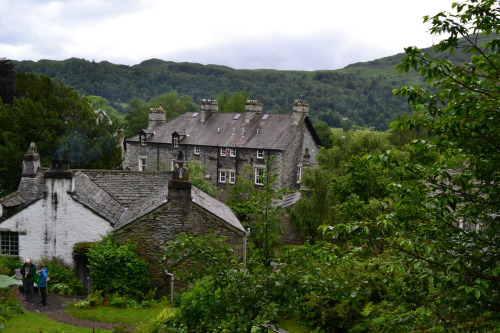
(264, 131)
(120, 197)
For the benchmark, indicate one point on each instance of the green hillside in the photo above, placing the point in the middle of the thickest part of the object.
(361, 92)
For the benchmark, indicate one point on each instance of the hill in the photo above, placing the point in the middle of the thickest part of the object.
(361, 92)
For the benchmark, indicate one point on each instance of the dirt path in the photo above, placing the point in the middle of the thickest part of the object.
(56, 310)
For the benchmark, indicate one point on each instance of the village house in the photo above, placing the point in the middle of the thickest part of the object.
(55, 209)
(224, 142)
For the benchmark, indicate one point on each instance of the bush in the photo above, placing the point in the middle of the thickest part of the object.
(63, 279)
(9, 305)
(8, 265)
(95, 297)
(117, 269)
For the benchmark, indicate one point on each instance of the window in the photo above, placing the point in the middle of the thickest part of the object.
(142, 164)
(232, 177)
(197, 150)
(222, 176)
(260, 153)
(259, 172)
(9, 242)
(223, 151)
(175, 141)
(232, 152)
(142, 139)
(299, 174)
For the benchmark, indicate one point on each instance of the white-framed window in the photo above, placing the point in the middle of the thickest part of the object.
(142, 163)
(142, 139)
(222, 176)
(223, 152)
(260, 153)
(197, 150)
(175, 141)
(232, 177)
(259, 172)
(299, 173)
(232, 152)
(9, 243)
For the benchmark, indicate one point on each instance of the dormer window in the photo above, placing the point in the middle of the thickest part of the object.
(175, 141)
(260, 153)
(223, 152)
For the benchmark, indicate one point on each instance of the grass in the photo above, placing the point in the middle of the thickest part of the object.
(30, 322)
(111, 314)
(292, 326)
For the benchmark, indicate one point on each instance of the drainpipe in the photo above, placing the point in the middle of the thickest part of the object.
(171, 284)
(245, 246)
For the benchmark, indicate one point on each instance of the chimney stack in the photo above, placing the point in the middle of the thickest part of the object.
(207, 107)
(156, 117)
(179, 187)
(31, 162)
(252, 108)
(300, 110)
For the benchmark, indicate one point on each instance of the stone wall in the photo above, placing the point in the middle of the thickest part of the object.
(151, 233)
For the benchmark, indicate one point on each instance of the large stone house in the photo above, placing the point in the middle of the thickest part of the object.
(224, 142)
(55, 209)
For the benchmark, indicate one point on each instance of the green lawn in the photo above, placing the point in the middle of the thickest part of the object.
(117, 315)
(31, 322)
(292, 326)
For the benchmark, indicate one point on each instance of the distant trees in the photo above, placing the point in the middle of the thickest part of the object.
(136, 118)
(7, 75)
(232, 102)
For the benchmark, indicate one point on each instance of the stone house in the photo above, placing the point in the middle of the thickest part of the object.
(223, 142)
(55, 209)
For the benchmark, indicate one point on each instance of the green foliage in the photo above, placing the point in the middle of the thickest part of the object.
(137, 117)
(117, 269)
(9, 305)
(8, 265)
(57, 120)
(63, 279)
(197, 178)
(95, 297)
(235, 103)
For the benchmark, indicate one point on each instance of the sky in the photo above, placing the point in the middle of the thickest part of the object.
(273, 34)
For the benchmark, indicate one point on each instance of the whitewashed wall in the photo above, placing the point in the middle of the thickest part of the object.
(51, 226)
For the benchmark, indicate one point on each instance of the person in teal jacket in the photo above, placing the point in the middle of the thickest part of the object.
(28, 272)
(42, 283)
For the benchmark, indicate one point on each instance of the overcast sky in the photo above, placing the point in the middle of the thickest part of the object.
(286, 35)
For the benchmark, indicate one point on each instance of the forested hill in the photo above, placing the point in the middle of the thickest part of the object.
(361, 92)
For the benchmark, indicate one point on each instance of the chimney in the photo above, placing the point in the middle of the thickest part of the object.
(300, 110)
(179, 187)
(207, 107)
(252, 107)
(31, 162)
(156, 117)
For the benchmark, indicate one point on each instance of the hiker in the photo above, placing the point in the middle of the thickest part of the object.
(42, 283)
(28, 272)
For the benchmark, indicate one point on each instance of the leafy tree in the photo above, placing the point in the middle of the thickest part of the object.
(453, 214)
(117, 268)
(7, 75)
(232, 102)
(325, 134)
(58, 121)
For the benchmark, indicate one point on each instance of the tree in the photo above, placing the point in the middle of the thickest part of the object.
(58, 121)
(7, 75)
(232, 102)
(453, 214)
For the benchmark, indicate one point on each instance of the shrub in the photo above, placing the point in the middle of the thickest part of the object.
(118, 301)
(95, 297)
(8, 265)
(117, 269)
(9, 305)
(63, 279)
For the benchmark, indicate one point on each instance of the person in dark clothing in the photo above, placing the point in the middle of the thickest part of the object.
(42, 283)
(28, 272)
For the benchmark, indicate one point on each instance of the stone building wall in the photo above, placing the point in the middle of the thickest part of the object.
(154, 231)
